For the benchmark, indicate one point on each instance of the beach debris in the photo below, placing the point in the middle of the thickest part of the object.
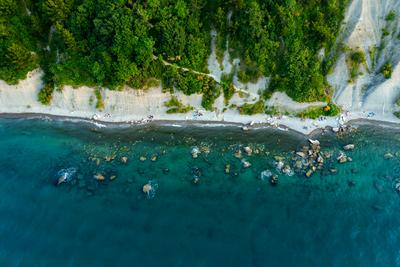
(124, 160)
(274, 180)
(113, 177)
(65, 175)
(99, 177)
(388, 155)
(349, 147)
(142, 158)
(195, 152)
(266, 174)
(245, 163)
(248, 150)
(245, 128)
(150, 189)
(227, 168)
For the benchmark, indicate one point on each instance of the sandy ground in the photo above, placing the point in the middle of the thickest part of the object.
(134, 106)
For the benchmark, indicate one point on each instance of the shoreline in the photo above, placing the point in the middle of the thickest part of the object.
(192, 123)
(133, 107)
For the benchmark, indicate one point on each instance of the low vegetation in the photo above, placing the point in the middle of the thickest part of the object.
(354, 61)
(387, 70)
(115, 43)
(251, 109)
(99, 97)
(330, 110)
(176, 106)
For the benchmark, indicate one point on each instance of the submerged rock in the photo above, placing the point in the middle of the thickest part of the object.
(274, 180)
(246, 164)
(265, 175)
(99, 177)
(227, 168)
(388, 155)
(248, 150)
(309, 173)
(238, 154)
(301, 154)
(124, 160)
(142, 158)
(195, 152)
(154, 158)
(113, 177)
(150, 189)
(349, 147)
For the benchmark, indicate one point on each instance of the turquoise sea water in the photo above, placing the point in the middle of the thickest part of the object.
(351, 218)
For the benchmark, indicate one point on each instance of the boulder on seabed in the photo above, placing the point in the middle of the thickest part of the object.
(227, 168)
(245, 163)
(265, 175)
(142, 158)
(124, 160)
(99, 177)
(274, 180)
(195, 152)
(349, 147)
(248, 150)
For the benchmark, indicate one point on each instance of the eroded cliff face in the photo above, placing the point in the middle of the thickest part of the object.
(369, 27)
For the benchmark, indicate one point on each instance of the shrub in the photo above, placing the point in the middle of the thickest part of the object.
(46, 94)
(251, 109)
(391, 16)
(99, 97)
(387, 70)
(175, 106)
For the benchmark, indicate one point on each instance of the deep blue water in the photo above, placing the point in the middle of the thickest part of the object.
(351, 218)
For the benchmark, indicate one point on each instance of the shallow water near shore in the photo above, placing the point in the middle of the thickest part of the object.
(351, 218)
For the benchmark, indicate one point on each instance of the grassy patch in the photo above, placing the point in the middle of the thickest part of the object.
(391, 16)
(175, 106)
(387, 70)
(46, 94)
(100, 101)
(251, 109)
(330, 110)
(354, 60)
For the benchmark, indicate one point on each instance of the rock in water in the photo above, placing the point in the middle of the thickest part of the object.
(246, 164)
(142, 158)
(265, 175)
(99, 177)
(248, 150)
(150, 189)
(124, 160)
(314, 142)
(274, 180)
(195, 152)
(349, 147)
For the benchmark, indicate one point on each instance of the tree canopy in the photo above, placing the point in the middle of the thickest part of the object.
(113, 43)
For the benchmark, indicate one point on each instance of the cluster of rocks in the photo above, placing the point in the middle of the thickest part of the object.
(310, 158)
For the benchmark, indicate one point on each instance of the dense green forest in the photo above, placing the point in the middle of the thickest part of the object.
(112, 43)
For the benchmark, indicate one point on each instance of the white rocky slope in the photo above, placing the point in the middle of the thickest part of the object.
(363, 29)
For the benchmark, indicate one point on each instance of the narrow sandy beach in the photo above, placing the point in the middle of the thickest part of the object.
(138, 107)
